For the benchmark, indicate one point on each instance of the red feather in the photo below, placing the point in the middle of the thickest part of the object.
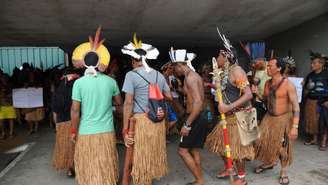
(246, 49)
(91, 41)
(97, 38)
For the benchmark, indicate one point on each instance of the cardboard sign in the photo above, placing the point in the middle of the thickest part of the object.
(28, 97)
(299, 88)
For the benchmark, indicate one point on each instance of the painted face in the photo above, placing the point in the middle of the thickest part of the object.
(316, 64)
(272, 68)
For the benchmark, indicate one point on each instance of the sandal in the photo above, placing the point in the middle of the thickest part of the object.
(240, 181)
(191, 183)
(70, 173)
(308, 143)
(323, 147)
(261, 169)
(282, 180)
(224, 174)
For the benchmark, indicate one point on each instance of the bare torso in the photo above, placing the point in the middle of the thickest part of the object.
(193, 79)
(280, 103)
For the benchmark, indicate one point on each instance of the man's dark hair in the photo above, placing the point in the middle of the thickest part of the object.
(281, 64)
(91, 59)
(140, 52)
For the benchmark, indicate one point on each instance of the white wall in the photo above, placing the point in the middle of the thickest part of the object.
(300, 39)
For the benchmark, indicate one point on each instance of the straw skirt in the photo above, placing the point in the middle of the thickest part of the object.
(96, 159)
(311, 117)
(274, 142)
(215, 143)
(63, 155)
(149, 153)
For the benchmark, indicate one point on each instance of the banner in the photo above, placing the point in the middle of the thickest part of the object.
(28, 97)
(299, 87)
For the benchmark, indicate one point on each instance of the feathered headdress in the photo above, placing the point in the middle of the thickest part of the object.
(89, 53)
(140, 51)
(181, 55)
(229, 49)
(315, 55)
(290, 61)
(254, 50)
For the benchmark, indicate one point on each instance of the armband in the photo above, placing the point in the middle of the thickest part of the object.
(242, 83)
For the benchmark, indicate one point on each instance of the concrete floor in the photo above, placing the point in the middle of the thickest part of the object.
(310, 167)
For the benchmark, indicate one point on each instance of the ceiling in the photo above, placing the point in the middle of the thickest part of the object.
(186, 23)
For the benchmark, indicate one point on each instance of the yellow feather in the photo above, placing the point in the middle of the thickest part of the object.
(135, 40)
(140, 44)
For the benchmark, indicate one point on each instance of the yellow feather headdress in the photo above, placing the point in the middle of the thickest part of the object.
(95, 45)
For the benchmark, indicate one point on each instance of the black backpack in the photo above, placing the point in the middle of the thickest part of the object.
(156, 104)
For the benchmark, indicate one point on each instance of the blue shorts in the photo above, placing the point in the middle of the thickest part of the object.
(172, 116)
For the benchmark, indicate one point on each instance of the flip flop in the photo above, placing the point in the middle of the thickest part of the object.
(323, 147)
(261, 169)
(190, 183)
(224, 174)
(240, 181)
(281, 180)
(71, 173)
(308, 143)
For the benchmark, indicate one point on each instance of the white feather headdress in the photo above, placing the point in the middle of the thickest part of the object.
(228, 47)
(139, 50)
(181, 55)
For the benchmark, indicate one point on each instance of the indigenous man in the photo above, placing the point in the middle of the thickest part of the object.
(279, 127)
(314, 90)
(237, 97)
(96, 158)
(63, 156)
(174, 84)
(149, 159)
(194, 131)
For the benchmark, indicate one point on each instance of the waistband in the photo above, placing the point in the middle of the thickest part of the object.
(275, 115)
(238, 109)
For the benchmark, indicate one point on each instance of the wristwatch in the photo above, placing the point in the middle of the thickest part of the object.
(187, 126)
(295, 126)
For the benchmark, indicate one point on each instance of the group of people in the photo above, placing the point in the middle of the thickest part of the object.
(26, 76)
(85, 131)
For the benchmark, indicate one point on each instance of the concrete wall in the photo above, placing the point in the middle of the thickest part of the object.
(312, 34)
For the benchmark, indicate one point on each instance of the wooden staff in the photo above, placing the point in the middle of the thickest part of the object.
(229, 166)
(128, 155)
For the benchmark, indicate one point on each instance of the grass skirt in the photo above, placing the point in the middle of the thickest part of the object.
(270, 145)
(63, 155)
(215, 143)
(311, 117)
(36, 115)
(96, 159)
(149, 154)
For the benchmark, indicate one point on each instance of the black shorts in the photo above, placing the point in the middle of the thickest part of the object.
(198, 133)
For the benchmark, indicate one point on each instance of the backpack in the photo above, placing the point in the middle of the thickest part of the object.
(156, 103)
